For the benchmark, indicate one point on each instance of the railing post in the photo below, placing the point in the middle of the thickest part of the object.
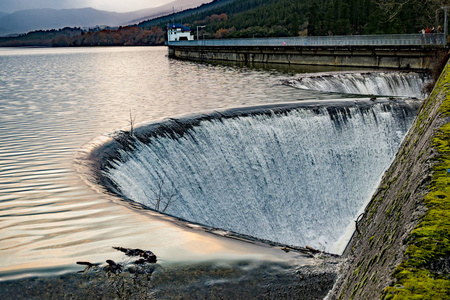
(445, 25)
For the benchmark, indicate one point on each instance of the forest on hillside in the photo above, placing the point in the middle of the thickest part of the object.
(262, 18)
(259, 18)
(75, 37)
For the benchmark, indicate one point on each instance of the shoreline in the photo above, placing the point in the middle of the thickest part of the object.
(205, 280)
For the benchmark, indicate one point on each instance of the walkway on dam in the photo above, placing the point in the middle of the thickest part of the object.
(429, 40)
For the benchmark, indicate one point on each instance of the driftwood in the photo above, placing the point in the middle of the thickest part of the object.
(146, 255)
(87, 264)
(306, 250)
(113, 267)
(312, 250)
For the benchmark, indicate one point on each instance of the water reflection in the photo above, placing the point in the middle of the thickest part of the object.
(53, 101)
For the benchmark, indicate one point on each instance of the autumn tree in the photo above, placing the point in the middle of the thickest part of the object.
(221, 33)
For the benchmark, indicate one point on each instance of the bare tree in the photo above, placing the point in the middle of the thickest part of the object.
(163, 197)
(132, 122)
(393, 7)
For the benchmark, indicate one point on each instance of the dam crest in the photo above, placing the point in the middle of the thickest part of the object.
(295, 173)
(292, 175)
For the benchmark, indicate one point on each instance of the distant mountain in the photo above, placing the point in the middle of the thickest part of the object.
(28, 20)
(44, 19)
(3, 31)
(166, 9)
(209, 7)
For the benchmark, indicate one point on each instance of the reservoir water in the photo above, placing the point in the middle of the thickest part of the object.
(55, 101)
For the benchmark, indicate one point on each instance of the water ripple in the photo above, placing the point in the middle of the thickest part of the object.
(53, 101)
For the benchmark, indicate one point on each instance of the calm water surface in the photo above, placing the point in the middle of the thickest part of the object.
(54, 101)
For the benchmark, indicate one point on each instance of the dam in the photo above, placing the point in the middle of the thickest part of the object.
(256, 173)
(48, 207)
(408, 51)
(295, 174)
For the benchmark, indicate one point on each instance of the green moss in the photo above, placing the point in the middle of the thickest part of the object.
(429, 242)
(341, 296)
(362, 284)
(356, 272)
(383, 251)
(370, 264)
(373, 277)
(385, 237)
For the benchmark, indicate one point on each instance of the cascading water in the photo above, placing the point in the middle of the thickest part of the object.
(385, 84)
(298, 177)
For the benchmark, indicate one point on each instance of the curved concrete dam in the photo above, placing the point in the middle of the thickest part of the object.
(292, 175)
(295, 174)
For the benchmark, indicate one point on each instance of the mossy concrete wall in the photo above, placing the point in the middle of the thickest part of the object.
(401, 249)
(392, 57)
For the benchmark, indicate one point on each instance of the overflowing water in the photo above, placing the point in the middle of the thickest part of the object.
(54, 101)
(297, 178)
(379, 83)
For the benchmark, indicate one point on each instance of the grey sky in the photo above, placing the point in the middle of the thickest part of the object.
(109, 5)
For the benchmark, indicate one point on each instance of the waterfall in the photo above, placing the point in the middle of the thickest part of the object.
(297, 177)
(381, 83)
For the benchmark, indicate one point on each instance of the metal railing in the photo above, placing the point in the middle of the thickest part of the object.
(343, 40)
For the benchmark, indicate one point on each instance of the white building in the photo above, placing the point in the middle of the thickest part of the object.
(178, 32)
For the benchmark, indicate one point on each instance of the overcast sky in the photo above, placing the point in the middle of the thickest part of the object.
(10, 6)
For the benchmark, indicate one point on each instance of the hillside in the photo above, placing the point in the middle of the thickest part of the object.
(165, 9)
(24, 21)
(208, 8)
(75, 37)
(271, 18)
(44, 19)
(249, 18)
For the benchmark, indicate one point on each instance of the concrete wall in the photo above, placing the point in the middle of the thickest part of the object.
(401, 247)
(392, 57)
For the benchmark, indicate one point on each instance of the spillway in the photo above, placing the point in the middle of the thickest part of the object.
(296, 174)
(368, 83)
